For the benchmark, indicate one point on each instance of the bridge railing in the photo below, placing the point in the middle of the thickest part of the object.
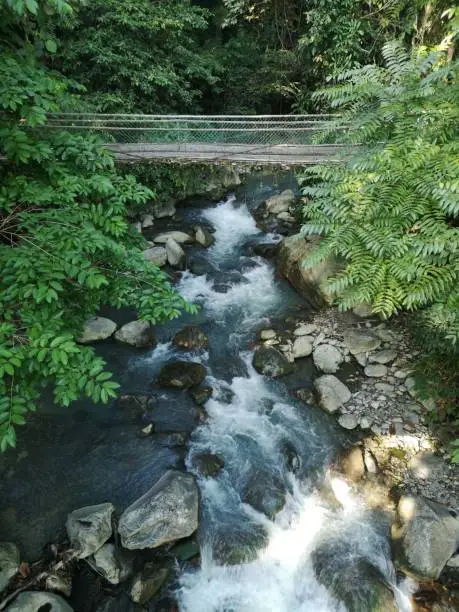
(183, 130)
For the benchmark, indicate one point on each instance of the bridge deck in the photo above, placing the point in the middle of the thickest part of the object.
(261, 153)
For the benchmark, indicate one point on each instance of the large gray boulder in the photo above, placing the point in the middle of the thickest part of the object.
(310, 283)
(331, 392)
(302, 346)
(281, 202)
(36, 601)
(167, 512)
(156, 255)
(113, 564)
(136, 333)
(182, 374)
(269, 361)
(89, 528)
(327, 358)
(180, 237)
(361, 341)
(425, 535)
(9, 562)
(176, 256)
(97, 328)
(203, 236)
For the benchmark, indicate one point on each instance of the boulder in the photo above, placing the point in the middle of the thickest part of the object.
(208, 464)
(182, 374)
(361, 341)
(176, 256)
(147, 221)
(286, 217)
(281, 202)
(112, 564)
(267, 334)
(135, 405)
(305, 330)
(203, 236)
(375, 370)
(269, 361)
(352, 464)
(302, 347)
(200, 395)
(156, 255)
(383, 357)
(267, 250)
(264, 492)
(148, 582)
(89, 528)
(308, 282)
(331, 392)
(348, 421)
(177, 236)
(190, 338)
(9, 563)
(37, 601)
(136, 333)
(327, 358)
(165, 209)
(241, 543)
(96, 328)
(425, 535)
(167, 512)
(59, 582)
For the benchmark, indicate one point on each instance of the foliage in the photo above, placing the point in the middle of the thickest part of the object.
(138, 55)
(65, 247)
(389, 211)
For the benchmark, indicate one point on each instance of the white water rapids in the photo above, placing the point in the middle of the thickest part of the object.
(251, 421)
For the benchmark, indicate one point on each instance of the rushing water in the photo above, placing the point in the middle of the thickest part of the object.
(312, 556)
(252, 422)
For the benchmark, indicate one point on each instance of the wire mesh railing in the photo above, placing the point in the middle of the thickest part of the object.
(196, 129)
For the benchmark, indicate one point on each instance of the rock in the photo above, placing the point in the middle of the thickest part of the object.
(264, 492)
(287, 217)
(363, 311)
(375, 371)
(59, 583)
(384, 388)
(352, 464)
(426, 466)
(280, 203)
(182, 374)
(383, 357)
(425, 535)
(208, 464)
(271, 362)
(119, 603)
(266, 249)
(361, 341)
(361, 359)
(165, 209)
(241, 545)
(96, 328)
(176, 236)
(9, 562)
(156, 255)
(147, 221)
(371, 465)
(89, 528)
(348, 421)
(203, 236)
(327, 358)
(112, 564)
(200, 266)
(176, 256)
(201, 395)
(185, 550)
(308, 282)
(365, 423)
(167, 512)
(136, 333)
(454, 561)
(190, 338)
(148, 582)
(305, 330)
(137, 227)
(37, 601)
(267, 334)
(331, 392)
(135, 405)
(302, 347)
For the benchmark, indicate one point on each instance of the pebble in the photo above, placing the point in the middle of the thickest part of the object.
(376, 371)
(348, 421)
(305, 330)
(267, 334)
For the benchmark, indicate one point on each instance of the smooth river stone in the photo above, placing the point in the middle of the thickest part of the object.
(302, 347)
(361, 341)
(375, 370)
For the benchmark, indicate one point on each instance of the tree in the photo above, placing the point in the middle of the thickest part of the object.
(390, 210)
(65, 245)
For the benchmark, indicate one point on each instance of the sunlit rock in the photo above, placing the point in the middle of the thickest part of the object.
(89, 528)
(97, 328)
(136, 333)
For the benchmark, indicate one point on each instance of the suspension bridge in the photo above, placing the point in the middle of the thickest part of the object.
(267, 139)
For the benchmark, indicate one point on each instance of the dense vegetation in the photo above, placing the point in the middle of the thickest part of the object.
(65, 244)
(390, 212)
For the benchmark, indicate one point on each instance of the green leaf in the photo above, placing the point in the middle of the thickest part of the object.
(51, 45)
(32, 6)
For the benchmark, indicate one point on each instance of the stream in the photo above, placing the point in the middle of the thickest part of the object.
(271, 541)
